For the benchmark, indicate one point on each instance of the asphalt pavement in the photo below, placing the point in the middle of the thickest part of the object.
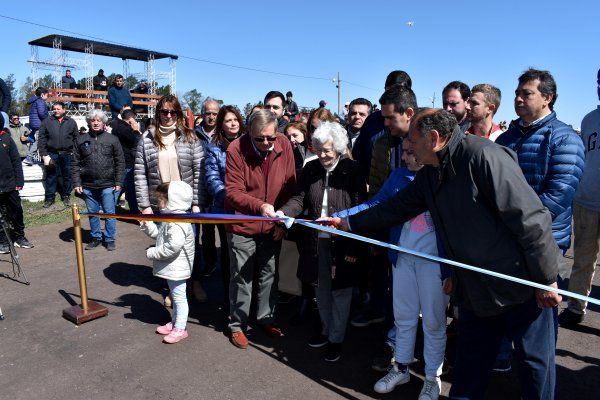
(44, 356)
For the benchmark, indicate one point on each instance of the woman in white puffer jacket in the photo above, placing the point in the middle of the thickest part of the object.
(173, 254)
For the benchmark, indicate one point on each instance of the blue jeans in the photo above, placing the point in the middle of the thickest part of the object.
(530, 328)
(107, 198)
(62, 167)
(181, 308)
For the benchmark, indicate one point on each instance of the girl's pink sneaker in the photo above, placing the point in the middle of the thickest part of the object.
(165, 329)
(175, 336)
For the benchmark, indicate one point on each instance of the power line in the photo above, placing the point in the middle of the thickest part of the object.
(254, 69)
(361, 86)
(181, 56)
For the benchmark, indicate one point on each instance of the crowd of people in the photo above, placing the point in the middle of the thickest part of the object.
(445, 182)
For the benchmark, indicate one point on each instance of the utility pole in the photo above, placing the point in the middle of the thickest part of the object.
(433, 101)
(338, 88)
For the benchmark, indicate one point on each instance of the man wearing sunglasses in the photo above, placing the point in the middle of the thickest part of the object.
(260, 178)
(275, 102)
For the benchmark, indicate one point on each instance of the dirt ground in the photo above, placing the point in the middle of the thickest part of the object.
(44, 356)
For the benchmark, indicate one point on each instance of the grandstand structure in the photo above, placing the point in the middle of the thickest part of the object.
(87, 98)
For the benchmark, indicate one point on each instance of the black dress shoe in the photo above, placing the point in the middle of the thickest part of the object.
(333, 351)
(48, 203)
(93, 244)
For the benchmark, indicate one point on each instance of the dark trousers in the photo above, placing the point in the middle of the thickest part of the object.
(380, 281)
(209, 249)
(129, 189)
(225, 261)
(11, 201)
(62, 167)
(532, 331)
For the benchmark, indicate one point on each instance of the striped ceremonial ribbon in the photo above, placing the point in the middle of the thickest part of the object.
(239, 219)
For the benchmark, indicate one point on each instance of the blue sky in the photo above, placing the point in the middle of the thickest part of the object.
(473, 41)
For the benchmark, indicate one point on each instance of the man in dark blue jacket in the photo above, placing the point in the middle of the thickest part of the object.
(37, 114)
(5, 96)
(118, 96)
(11, 181)
(550, 152)
(373, 125)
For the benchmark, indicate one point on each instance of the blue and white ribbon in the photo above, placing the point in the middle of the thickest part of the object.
(334, 231)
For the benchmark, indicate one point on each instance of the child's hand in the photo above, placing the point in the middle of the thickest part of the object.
(143, 224)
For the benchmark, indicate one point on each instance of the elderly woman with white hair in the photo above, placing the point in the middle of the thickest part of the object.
(98, 170)
(329, 184)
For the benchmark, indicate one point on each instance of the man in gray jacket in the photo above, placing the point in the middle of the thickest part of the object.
(495, 221)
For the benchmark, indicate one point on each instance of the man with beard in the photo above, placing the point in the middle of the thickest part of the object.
(454, 97)
(482, 106)
(275, 102)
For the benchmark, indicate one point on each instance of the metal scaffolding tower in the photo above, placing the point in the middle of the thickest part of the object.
(60, 61)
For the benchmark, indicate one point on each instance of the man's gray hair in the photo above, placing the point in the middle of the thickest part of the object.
(430, 118)
(259, 119)
(209, 100)
(95, 113)
(334, 132)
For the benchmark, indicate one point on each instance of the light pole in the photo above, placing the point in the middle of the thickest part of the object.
(338, 82)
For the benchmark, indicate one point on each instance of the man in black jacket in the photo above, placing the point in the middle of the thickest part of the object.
(11, 181)
(127, 131)
(56, 148)
(5, 96)
(486, 215)
(98, 169)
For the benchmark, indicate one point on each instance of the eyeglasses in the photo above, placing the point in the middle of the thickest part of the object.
(261, 139)
(164, 113)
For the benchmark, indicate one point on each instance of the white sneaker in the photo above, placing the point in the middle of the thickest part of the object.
(393, 378)
(431, 389)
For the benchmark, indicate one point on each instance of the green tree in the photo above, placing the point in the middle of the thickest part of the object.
(131, 82)
(193, 99)
(163, 90)
(247, 109)
(45, 81)
(10, 82)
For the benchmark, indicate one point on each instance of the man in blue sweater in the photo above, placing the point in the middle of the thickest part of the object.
(118, 96)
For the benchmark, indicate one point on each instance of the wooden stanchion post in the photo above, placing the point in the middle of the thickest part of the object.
(88, 310)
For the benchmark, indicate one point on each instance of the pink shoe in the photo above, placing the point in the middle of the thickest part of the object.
(165, 329)
(175, 336)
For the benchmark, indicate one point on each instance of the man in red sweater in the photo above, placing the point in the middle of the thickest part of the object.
(260, 178)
